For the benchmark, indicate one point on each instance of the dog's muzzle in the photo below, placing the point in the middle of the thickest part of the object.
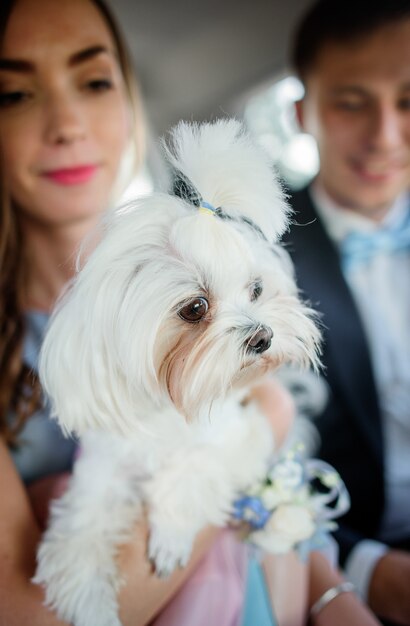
(260, 340)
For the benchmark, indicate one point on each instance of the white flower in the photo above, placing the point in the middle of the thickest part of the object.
(288, 525)
(287, 474)
(270, 498)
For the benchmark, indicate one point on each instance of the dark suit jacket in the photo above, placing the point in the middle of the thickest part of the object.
(350, 426)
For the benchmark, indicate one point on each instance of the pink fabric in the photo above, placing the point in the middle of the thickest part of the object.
(214, 593)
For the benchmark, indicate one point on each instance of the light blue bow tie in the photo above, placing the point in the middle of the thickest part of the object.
(359, 248)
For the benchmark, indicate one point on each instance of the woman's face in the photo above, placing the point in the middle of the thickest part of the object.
(64, 113)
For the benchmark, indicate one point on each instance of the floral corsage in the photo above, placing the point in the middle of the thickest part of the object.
(294, 506)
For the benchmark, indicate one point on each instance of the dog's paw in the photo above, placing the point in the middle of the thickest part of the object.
(168, 549)
(79, 582)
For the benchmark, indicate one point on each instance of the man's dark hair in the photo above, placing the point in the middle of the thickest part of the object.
(341, 21)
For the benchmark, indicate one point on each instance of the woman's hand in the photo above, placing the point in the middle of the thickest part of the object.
(139, 575)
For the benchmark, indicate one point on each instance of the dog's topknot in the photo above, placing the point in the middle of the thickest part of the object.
(222, 165)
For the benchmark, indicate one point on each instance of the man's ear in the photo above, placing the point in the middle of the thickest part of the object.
(300, 113)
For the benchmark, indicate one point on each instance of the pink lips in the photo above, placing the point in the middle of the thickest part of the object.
(72, 175)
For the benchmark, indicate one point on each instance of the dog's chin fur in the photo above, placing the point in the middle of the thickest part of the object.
(155, 396)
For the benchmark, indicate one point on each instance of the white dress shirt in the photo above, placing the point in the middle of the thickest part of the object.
(381, 290)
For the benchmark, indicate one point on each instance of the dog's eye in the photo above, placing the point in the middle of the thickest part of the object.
(256, 290)
(195, 310)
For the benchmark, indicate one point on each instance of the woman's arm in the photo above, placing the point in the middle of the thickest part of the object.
(21, 602)
(344, 609)
(277, 404)
(295, 586)
(287, 581)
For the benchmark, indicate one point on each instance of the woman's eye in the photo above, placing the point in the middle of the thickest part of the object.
(256, 290)
(13, 98)
(100, 84)
(194, 310)
(404, 104)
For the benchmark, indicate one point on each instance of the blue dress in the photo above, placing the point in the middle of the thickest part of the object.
(257, 610)
(41, 447)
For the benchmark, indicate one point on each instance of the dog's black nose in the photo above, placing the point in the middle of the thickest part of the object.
(260, 340)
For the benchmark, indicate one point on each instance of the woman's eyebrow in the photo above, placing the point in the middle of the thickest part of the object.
(25, 67)
(88, 53)
(16, 65)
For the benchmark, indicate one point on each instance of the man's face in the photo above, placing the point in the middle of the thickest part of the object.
(357, 106)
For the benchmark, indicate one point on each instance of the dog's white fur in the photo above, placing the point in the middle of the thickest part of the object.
(156, 399)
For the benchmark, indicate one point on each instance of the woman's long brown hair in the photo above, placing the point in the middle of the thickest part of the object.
(20, 391)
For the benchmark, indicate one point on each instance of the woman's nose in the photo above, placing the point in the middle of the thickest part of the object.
(64, 121)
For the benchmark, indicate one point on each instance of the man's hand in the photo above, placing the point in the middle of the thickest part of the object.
(389, 592)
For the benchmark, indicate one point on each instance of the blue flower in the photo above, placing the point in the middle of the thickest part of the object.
(251, 510)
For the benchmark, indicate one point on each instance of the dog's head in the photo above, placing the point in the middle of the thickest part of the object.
(185, 297)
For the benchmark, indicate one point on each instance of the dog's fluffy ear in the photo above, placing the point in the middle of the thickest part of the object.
(93, 332)
(229, 170)
(78, 377)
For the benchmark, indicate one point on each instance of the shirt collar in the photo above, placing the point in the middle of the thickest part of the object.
(340, 221)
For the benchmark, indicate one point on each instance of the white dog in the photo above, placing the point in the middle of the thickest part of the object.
(149, 357)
